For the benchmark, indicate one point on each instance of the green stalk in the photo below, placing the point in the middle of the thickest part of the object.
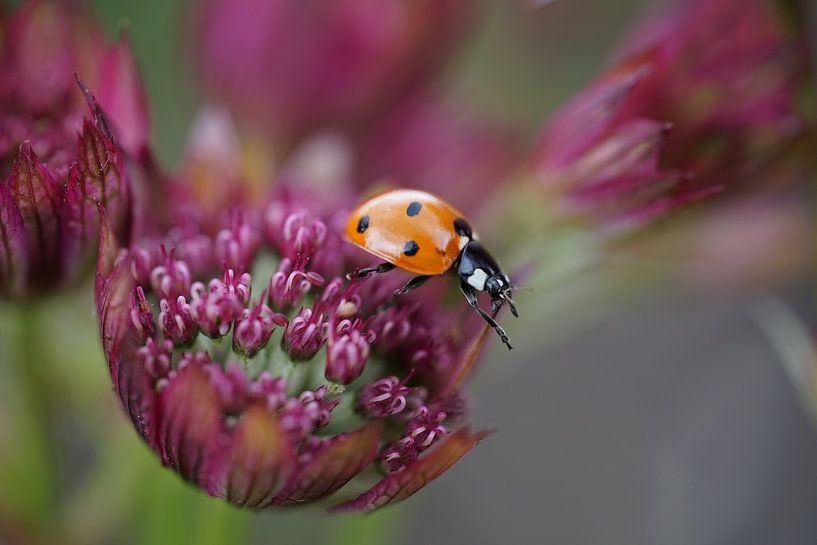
(27, 473)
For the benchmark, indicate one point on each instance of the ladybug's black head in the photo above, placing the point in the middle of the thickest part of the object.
(479, 270)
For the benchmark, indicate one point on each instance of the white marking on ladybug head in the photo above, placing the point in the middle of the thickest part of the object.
(477, 279)
(463, 242)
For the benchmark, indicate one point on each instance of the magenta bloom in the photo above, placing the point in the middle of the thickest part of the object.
(58, 159)
(704, 99)
(290, 67)
(258, 372)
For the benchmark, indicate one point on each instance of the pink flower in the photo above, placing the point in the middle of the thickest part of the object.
(301, 399)
(290, 67)
(702, 100)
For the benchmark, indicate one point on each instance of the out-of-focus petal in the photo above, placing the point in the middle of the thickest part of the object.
(97, 178)
(191, 422)
(13, 244)
(43, 51)
(577, 125)
(426, 144)
(254, 463)
(37, 197)
(334, 463)
(132, 383)
(405, 482)
(212, 177)
(122, 95)
(465, 364)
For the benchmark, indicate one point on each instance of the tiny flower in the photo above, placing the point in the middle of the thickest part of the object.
(284, 427)
(156, 357)
(305, 334)
(347, 351)
(141, 315)
(172, 277)
(424, 429)
(254, 329)
(702, 100)
(176, 320)
(384, 397)
(236, 246)
(215, 307)
(291, 282)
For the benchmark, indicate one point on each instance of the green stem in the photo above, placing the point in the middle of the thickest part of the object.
(29, 478)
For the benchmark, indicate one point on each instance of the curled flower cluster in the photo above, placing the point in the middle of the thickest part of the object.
(262, 379)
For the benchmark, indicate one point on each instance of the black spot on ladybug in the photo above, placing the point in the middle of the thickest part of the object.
(363, 224)
(411, 248)
(462, 228)
(414, 208)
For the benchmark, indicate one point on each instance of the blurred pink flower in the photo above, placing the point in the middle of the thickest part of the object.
(703, 100)
(58, 159)
(290, 67)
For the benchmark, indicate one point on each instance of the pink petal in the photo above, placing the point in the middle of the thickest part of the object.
(336, 462)
(109, 246)
(37, 197)
(404, 483)
(97, 178)
(468, 358)
(190, 422)
(586, 118)
(43, 54)
(13, 247)
(114, 285)
(122, 95)
(426, 144)
(254, 463)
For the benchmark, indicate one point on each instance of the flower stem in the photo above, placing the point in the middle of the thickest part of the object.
(28, 473)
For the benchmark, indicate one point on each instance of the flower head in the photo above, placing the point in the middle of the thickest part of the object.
(704, 96)
(265, 384)
(58, 158)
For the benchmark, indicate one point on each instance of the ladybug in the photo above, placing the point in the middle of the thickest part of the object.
(422, 234)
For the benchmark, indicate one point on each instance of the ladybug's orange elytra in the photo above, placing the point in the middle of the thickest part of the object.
(413, 230)
(422, 234)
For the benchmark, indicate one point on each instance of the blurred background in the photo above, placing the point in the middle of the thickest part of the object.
(672, 413)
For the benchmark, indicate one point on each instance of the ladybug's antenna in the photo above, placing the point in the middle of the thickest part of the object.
(506, 295)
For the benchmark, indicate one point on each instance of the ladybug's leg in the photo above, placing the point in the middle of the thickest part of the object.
(411, 285)
(471, 297)
(383, 267)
